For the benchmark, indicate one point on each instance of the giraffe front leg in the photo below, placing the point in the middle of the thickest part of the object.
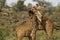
(33, 35)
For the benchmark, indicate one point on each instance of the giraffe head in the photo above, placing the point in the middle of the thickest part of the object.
(36, 8)
(39, 6)
(35, 11)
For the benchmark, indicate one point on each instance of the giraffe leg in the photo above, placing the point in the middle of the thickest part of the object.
(33, 35)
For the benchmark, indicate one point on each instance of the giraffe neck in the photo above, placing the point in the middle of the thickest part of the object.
(38, 14)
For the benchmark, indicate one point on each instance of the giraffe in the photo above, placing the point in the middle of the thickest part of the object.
(29, 27)
(44, 22)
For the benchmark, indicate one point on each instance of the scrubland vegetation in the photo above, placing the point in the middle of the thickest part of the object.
(10, 17)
